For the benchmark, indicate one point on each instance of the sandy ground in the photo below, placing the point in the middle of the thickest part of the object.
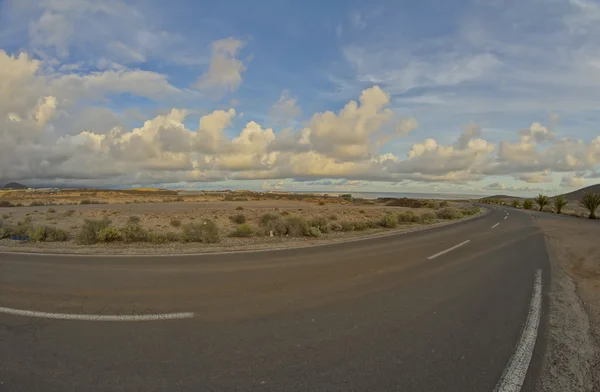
(573, 356)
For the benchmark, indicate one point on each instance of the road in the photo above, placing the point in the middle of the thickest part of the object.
(446, 309)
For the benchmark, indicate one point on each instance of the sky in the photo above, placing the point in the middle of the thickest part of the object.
(465, 96)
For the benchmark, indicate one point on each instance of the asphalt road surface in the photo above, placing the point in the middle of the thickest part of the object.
(455, 308)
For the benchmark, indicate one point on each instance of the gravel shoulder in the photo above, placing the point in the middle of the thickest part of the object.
(572, 361)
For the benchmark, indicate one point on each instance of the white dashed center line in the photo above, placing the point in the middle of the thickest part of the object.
(96, 317)
(448, 250)
(495, 225)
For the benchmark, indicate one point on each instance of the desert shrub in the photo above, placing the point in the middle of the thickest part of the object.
(515, 203)
(49, 234)
(361, 225)
(133, 219)
(444, 204)
(228, 198)
(432, 204)
(238, 218)
(36, 204)
(70, 213)
(175, 222)
(428, 216)
(109, 234)
(408, 217)
(335, 226)
(244, 230)
(347, 226)
(284, 213)
(277, 226)
(206, 232)
(5, 216)
(527, 204)
(449, 213)
(470, 211)
(389, 221)
(321, 203)
(296, 226)
(361, 211)
(134, 232)
(266, 218)
(333, 217)
(320, 222)
(239, 208)
(5, 232)
(314, 232)
(5, 203)
(51, 210)
(179, 198)
(590, 201)
(541, 200)
(89, 231)
(163, 238)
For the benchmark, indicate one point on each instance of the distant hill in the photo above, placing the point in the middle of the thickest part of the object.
(14, 185)
(576, 195)
(501, 197)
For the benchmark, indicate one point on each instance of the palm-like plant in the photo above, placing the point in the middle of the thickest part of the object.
(590, 201)
(527, 204)
(559, 203)
(515, 203)
(541, 200)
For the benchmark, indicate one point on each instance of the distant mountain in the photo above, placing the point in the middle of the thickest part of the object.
(14, 185)
(576, 195)
(502, 197)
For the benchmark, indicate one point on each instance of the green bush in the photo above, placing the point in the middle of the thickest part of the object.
(515, 203)
(206, 232)
(296, 226)
(266, 218)
(244, 230)
(175, 222)
(320, 222)
(134, 232)
(432, 204)
(88, 233)
(470, 211)
(428, 216)
(49, 234)
(408, 217)
(559, 203)
(361, 225)
(314, 232)
(109, 234)
(449, 213)
(389, 221)
(591, 202)
(444, 204)
(527, 204)
(239, 218)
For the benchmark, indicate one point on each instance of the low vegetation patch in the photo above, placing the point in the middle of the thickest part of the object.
(244, 231)
(389, 221)
(238, 218)
(175, 222)
(88, 234)
(48, 234)
(266, 218)
(320, 222)
(109, 234)
(134, 232)
(449, 213)
(206, 232)
(408, 217)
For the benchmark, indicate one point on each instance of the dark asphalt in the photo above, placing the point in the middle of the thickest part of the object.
(372, 315)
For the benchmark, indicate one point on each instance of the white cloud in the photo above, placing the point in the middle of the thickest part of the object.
(285, 109)
(225, 71)
(571, 181)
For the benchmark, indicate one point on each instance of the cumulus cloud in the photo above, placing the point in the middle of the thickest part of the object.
(285, 109)
(572, 180)
(225, 70)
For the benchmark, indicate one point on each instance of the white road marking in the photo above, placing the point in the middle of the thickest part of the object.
(505, 217)
(514, 374)
(95, 317)
(495, 225)
(448, 250)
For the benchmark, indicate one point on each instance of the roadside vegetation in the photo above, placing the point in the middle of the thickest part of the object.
(542, 201)
(591, 202)
(559, 202)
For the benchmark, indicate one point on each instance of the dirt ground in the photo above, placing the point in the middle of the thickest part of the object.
(573, 362)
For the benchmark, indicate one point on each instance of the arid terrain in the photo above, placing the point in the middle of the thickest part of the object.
(150, 220)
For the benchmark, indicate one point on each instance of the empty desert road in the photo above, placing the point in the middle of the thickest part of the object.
(455, 308)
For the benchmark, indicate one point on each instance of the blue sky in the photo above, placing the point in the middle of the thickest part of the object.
(521, 78)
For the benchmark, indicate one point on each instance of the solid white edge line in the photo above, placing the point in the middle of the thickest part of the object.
(495, 225)
(448, 250)
(514, 374)
(94, 317)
